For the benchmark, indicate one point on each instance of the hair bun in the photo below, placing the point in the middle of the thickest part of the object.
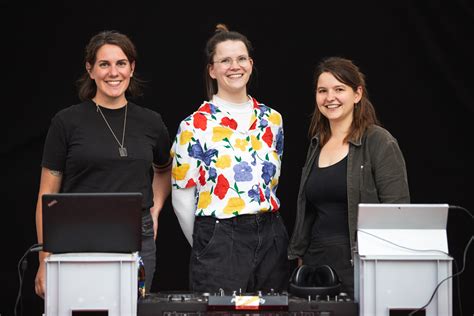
(221, 28)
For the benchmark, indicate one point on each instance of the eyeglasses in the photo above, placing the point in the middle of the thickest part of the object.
(227, 62)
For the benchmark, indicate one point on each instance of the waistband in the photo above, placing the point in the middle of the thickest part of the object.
(245, 218)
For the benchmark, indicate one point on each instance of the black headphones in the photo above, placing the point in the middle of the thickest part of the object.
(309, 280)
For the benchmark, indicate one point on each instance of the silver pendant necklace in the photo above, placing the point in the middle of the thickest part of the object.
(122, 150)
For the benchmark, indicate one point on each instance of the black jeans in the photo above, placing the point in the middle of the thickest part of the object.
(336, 253)
(148, 251)
(245, 253)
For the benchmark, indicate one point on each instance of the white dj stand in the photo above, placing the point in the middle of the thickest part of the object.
(82, 283)
(398, 269)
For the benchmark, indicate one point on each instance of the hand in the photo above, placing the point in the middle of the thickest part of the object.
(40, 281)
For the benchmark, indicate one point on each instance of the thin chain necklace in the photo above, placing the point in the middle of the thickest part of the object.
(122, 149)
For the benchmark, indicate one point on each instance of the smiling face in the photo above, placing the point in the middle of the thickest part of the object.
(231, 67)
(111, 72)
(335, 100)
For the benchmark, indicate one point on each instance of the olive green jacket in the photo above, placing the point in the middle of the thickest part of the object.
(376, 173)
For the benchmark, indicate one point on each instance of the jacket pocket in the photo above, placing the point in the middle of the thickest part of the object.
(368, 188)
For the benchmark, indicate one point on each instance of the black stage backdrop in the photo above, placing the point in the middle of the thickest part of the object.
(416, 56)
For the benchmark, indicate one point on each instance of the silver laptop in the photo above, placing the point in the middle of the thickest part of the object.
(402, 229)
(92, 222)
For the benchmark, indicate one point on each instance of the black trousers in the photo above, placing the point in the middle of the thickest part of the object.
(336, 253)
(246, 253)
(148, 251)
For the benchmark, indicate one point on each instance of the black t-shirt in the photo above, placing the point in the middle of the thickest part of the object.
(326, 192)
(82, 147)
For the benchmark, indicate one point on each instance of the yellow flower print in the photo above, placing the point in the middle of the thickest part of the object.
(241, 143)
(172, 153)
(219, 133)
(256, 144)
(234, 204)
(275, 118)
(274, 182)
(253, 118)
(223, 162)
(204, 199)
(275, 155)
(184, 137)
(179, 172)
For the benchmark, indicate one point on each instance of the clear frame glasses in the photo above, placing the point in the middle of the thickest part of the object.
(228, 61)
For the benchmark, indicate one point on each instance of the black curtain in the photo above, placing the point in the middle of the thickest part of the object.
(416, 55)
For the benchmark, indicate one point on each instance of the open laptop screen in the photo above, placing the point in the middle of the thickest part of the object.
(408, 229)
(92, 222)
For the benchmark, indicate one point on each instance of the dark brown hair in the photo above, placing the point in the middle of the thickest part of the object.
(364, 113)
(221, 34)
(87, 88)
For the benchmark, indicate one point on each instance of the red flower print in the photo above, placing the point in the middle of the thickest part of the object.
(221, 187)
(262, 197)
(254, 124)
(255, 104)
(202, 176)
(205, 108)
(274, 204)
(200, 121)
(190, 183)
(268, 137)
(229, 122)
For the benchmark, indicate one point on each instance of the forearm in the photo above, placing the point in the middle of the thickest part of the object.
(184, 206)
(50, 183)
(161, 190)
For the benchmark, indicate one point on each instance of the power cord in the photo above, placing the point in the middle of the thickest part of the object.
(449, 277)
(451, 207)
(455, 207)
(22, 266)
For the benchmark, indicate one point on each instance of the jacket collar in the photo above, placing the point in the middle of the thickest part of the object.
(355, 142)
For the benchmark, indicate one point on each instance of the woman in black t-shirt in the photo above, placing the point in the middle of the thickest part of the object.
(108, 144)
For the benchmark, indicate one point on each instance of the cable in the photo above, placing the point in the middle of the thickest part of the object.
(449, 277)
(455, 207)
(21, 267)
(400, 246)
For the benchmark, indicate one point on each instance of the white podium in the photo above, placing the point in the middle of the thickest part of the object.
(81, 283)
(402, 257)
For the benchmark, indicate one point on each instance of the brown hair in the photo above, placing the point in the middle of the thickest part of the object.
(364, 113)
(221, 34)
(87, 88)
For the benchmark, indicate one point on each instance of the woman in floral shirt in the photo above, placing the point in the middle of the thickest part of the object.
(226, 165)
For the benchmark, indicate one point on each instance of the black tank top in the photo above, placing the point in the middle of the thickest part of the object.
(326, 194)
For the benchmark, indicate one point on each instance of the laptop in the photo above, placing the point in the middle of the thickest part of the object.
(92, 222)
(402, 229)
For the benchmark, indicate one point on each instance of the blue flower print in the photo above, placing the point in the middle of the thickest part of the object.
(268, 171)
(267, 193)
(243, 172)
(197, 152)
(254, 162)
(212, 174)
(279, 141)
(263, 123)
(263, 109)
(254, 194)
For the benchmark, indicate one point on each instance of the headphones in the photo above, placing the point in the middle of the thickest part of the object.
(310, 280)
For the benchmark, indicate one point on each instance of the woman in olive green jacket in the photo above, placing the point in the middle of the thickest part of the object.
(351, 160)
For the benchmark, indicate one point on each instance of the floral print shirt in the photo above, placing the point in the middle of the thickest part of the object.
(235, 168)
